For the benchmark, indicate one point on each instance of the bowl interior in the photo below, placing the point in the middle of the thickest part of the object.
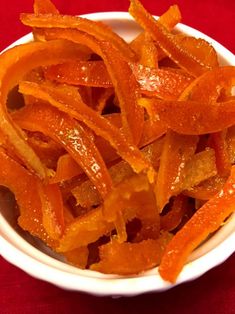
(38, 260)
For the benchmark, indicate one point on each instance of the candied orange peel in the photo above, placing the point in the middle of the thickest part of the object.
(120, 155)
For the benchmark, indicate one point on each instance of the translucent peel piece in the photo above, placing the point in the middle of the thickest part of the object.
(206, 220)
(168, 42)
(101, 126)
(14, 64)
(69, 134)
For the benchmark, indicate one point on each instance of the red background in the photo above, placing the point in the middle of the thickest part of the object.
(212, 293)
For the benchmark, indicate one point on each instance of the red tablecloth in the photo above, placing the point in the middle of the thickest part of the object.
(212, 293)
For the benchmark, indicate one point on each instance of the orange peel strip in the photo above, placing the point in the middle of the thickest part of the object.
(47, 150)
(91, 226)
(78, 257)
(219, 144)
(87, 73)
(169, 19)
(129, 258)
(71, 135)
(206, 220)
(44, 7)
(166, 83)
(177, 150)
(14, 64)
(26, 195)
(167, 41)
(147, 51)
(97, 29)
(84, 230)
(126, 88)
(132, 196)
(207, 87)
(86, 194)
(191, 117)
(201, 167)
(121, 75)
(67, 168)
(100, 125)
(207, 189)
(173, 218)
(52, 210)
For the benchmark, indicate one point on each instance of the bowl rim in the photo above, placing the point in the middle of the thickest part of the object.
(106, 286)
(56, 272)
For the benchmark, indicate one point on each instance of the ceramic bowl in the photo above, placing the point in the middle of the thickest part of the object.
(36, 259)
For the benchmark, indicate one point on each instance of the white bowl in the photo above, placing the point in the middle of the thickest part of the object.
(37, 260)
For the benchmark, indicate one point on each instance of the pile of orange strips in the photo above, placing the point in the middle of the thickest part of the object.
(119, 154)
